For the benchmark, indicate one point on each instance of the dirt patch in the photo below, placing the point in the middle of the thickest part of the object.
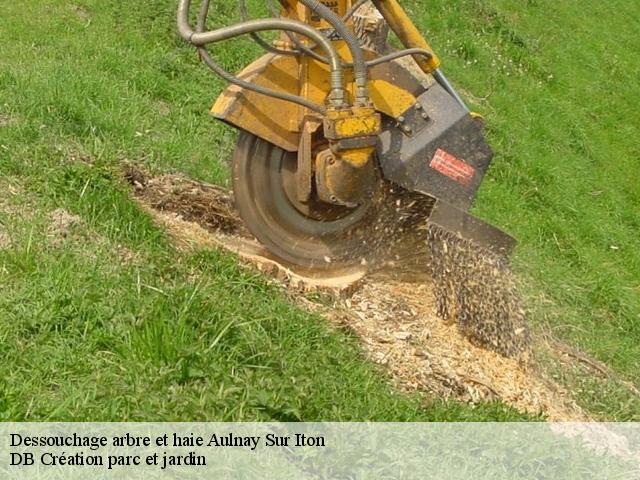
(68, 229)
(5, 239)
(12, 202)
(6, 120)
(197, 214)
(207, 205)
(62, 226)
(81, 11)
(393, 310)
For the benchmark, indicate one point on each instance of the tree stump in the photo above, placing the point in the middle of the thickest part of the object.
(371, 28)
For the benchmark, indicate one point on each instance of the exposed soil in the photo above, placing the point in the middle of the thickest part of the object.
(392, 309)
(62, 225)
(207, 205)
(6, 120)
(5, 239)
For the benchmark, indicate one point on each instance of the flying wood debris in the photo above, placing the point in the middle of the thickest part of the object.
(476, 289)
(473, 287)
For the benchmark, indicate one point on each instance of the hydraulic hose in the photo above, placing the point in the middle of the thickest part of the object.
(244, 15)
(359, 62)
(211, 63)
(299, 45)
(305, 50)
(201, 39)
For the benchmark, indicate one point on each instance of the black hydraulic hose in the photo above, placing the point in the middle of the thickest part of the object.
(304, 49)
(200, 39)
(299, 45)
(353, 9)
(202, 16)
(444, 83)
(244, 15)
(204, 54)
(219, 70)
(395, 55)
(308, 50)
(359, 62)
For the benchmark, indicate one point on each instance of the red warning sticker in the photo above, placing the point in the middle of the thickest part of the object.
(454, 168)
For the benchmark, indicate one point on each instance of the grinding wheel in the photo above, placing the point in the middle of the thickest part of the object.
(311, 234)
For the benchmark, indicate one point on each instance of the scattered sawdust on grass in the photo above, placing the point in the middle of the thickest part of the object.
(67, 229)
(12, 204)
(163, 108)
(197, 214)
(393, 313)
(400, 329)
(81, 11)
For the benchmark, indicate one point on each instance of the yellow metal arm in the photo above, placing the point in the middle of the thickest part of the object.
(407, 32)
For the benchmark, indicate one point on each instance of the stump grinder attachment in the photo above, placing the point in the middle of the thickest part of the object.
(328, 124)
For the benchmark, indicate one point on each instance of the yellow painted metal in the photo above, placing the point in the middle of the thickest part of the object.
(361, 125)
(407, 32)
(271, 119)
(390, 99)
(351, 123)
(278, 121)
(297, 11)
(357, 157)
(351, 130)
(339, 7)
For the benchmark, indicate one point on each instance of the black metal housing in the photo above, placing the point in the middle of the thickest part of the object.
(436, 148)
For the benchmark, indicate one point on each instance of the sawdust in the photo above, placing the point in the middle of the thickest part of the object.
(6, 120)
(400, 329)
(81, 11)
(197, 214)
(477, 290)
(66, 230)
(393, 310)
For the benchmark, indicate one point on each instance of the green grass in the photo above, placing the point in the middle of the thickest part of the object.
(112, 322)
(115, 324)
(555, 81)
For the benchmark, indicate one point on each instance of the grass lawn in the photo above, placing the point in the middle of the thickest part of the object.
(114, 323)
